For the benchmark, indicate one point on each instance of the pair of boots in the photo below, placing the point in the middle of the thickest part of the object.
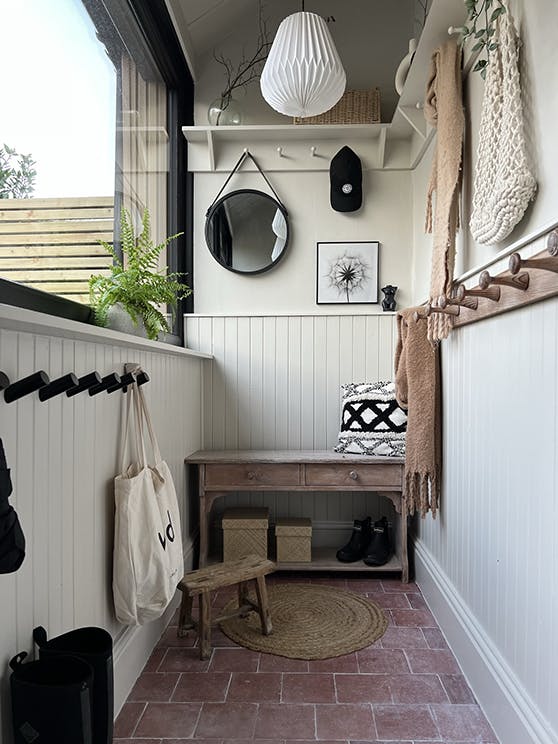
(369, 543)
(66, 697)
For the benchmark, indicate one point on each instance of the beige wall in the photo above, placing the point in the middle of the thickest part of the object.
(290, 287)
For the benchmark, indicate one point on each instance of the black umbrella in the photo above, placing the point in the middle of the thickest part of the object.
(12, 540)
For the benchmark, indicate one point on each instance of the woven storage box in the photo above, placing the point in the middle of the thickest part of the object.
(355, 107)
(245, 533)
(294, 540)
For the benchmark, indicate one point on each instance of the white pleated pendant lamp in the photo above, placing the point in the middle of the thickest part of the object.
(303, 75)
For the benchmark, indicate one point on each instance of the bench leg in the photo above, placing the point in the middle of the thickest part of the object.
(205, 625)
(263, 605)
(185, 620)
(243, 597)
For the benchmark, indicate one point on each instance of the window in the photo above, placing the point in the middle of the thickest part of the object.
(98, 93)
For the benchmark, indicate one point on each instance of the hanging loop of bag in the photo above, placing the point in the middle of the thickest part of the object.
(246, 154)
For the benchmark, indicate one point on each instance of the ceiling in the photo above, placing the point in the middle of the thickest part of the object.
(371, 35)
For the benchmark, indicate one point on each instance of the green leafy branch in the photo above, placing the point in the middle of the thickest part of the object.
(17, 174)
(137, 283)
(480, 25)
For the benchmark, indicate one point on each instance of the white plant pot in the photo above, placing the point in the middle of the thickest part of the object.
(120, 320)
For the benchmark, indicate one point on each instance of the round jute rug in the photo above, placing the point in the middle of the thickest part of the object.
(310, 622)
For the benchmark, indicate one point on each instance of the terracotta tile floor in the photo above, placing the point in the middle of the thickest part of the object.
(404, 689)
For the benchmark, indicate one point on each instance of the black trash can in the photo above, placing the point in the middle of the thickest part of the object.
(51, 700)
(94, 646)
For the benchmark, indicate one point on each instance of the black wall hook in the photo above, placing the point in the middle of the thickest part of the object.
(84, 383)
(25, 386)
(56, 387)
(4, 381)
(142, 378)
(128, 379)
(107, 381)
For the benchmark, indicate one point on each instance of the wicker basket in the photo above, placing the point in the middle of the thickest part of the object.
(245, 533)
(355, 107)
(294, 540)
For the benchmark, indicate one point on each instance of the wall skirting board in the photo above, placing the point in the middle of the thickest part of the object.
(134, 645)
(510, 710)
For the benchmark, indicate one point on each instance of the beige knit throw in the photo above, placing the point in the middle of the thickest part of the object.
(417, 388)
(443, 109)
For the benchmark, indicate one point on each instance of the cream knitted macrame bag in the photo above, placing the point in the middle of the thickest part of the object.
(504, 184)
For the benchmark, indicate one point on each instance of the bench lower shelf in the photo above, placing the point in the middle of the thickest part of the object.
(323, 559)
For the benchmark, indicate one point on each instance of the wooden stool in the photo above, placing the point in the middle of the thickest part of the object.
(205, 580)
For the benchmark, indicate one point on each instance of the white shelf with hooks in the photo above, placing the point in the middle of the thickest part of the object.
(398, 145)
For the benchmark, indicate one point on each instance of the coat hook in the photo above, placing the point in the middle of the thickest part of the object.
(520, 281)
(106, 382)
(4, 381)
(491, 293)
(56, 387)
(313, 151)
(552, 243)
(429, 309)
(471, 303)
(84, 383)
(280, 152)
(27, 385)
(453, 30)
(128, 379)
(142, 378)
(547, 263)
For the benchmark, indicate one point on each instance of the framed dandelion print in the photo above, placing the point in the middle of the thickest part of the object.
(347, 273)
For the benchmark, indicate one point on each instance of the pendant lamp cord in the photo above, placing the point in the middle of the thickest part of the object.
(302, 3)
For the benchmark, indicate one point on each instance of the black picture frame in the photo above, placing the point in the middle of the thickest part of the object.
(347, 272)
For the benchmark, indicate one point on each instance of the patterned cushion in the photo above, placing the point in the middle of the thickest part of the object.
(372, 423)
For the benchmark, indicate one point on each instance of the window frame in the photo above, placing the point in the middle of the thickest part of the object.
(157, 28)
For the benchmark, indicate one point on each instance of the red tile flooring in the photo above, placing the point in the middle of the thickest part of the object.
(404, 689)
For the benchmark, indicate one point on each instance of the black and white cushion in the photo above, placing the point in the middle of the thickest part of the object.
(372, 422)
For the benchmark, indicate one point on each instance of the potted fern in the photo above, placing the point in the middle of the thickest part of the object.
(128, 298)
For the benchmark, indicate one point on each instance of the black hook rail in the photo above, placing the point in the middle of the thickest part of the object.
(27, 385)
(69, 384)
(57, 387)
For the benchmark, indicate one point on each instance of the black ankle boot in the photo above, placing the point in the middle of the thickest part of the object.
(378, 551)
(354, 549)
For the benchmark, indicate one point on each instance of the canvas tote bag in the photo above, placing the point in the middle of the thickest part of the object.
(148, 561)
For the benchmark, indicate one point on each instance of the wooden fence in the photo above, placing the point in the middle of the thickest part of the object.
(53, 244)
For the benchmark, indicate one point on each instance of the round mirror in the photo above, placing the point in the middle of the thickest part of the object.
(247, 231)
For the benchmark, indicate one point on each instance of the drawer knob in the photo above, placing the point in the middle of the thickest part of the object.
(251, 475)
(353, 474)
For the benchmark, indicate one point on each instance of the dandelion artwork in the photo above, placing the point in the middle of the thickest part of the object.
(347, 273)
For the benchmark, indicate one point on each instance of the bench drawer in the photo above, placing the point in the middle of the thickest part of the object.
(354, 475)
(252, 475)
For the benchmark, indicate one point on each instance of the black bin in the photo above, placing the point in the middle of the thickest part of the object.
(51, 700)
(94, 646)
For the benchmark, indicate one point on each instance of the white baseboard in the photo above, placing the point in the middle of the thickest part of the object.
(133, 647)
(511, 711)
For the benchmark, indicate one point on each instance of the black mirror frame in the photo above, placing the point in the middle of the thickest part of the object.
(211, 211)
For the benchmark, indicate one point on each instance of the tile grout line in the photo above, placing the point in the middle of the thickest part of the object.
(139, 719)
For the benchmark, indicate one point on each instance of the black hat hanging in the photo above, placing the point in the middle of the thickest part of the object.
(345, 174)
(12, 540)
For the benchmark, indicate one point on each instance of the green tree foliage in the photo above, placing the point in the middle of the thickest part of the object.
(137, 283)
(17, 174)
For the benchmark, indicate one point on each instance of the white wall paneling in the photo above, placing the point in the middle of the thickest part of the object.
(63, 455)
(275, 384)
(495, 545)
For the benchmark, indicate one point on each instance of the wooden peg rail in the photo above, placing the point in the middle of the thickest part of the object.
(525, 282)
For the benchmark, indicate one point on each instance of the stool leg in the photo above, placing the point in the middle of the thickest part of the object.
(185, 620)
(205, 625)
(243, 596)
(263, 605)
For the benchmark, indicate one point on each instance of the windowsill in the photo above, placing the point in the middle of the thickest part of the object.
(29, 321)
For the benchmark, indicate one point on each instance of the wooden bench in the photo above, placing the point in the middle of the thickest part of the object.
(202, 582)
